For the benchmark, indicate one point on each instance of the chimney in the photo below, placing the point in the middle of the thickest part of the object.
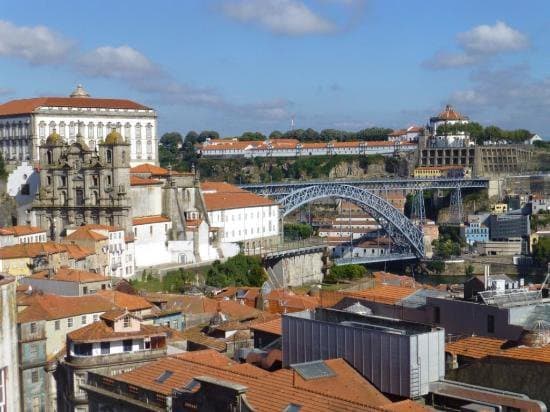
(486, 276)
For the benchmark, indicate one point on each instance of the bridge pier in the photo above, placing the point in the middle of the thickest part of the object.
(297, 267)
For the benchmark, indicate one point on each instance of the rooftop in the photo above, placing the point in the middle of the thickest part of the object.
(272, 326)
(147, 220)
(140, 181)
(28, 106)
(70, 275)
(222, 196)
(20, 230)
(344, 390)
(103, 331)
(31, 250)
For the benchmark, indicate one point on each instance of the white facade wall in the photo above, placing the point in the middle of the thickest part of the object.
(121, 256)
(151, 244)
(317, 151)
(24, 177)
(9, 240)
(246, 223)
(19, 134)
(448, 140)
(116, 347)
(146, 200)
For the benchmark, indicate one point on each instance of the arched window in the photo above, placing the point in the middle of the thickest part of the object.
(42, 130)
(109, 156)
(96, 198)
(127, 131)
(62, 129)
(49, 154)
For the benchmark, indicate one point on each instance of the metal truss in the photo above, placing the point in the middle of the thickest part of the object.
(396, 224)
(278, 190)
(418, 212)
(456, 207)
(374, 259)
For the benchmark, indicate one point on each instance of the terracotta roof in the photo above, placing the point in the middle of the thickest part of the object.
(449, 113)
(124, 300)
(25, 106)
(477, 347)
(115, 314)
(147, 220)
(198, 337)
(222, 196)
(78, 252)
(266, 391)
(71, 275)
(83, 233)
(140, 181)
(101, 331)
(273, 326)
(31, 250)
(50, 307)
(108, 228)
(20, 230)
(147, 168)
(389, 294)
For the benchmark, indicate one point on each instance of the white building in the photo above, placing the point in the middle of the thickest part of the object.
(410, 134)
(120, 248)
(15, 235)
(295, 148)
(448, 117)
(25, 124)
(241, 216)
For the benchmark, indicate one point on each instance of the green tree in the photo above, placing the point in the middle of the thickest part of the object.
(346, 272)
(207, 134)
(276, 134)
(297, 231)
(256, 136)
(170, 145)
(238, 270)
(3, 173)
(541, 251)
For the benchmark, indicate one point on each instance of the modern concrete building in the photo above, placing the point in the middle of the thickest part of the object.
(400, 358)
(10, 384)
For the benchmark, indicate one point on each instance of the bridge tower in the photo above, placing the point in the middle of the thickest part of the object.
(418, 212)
(456, 207)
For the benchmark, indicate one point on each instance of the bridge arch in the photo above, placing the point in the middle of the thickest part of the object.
(396, 224)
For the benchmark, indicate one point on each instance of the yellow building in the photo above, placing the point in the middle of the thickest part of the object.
(23, 259)
(499, 208)
(434, 172)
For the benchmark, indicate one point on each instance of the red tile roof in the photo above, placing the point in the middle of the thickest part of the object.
(71, 275)
(31, 250)
(124, 300)
(449, 113)
(26, 106)
(20, 230)
(78, 252)
(83, 233)
(223, 196)
(478, 347)
(147, 168)
(101, 331)
(147, 220)
(273, 326)
(383, 293)
(140, 181)
(50, 307)
(266, 391)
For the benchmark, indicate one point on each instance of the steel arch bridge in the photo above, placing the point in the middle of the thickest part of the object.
(396, 224)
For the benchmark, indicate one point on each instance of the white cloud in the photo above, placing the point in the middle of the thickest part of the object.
(487, 39)
(116, 62)
(5, 91)
(509, 97)
(36, 45)
(479, 44)
(290, 17)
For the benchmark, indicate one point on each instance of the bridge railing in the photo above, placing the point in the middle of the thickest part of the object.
(286, 246)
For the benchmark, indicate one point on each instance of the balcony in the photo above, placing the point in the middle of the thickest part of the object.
(98, 360)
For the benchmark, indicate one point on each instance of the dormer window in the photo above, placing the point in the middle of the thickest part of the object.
(126, 321)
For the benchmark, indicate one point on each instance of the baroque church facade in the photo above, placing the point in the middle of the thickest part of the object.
(80, 185)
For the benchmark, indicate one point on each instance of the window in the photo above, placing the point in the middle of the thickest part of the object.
(49, 154)
(109, 156)
(108, 180)
(490, 324)
(100, 130)
(83, 349)
(126, 321)
(127, 345)
(70, 322)
(34, 376)
(96, 316)
(105, 348)
(138, 146)
(57, 324)
(33, 327)
(174, 324)
(149, 147)
(90, 130)
(84, 319)
(79, 197)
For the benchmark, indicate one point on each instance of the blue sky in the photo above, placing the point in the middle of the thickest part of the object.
(238, 65)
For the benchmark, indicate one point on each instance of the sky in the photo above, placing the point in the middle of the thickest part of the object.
(253, 65)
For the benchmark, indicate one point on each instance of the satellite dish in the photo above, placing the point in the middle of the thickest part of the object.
(266, 289)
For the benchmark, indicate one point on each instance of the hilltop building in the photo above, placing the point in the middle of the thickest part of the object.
(25, 124)
(448, 117)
